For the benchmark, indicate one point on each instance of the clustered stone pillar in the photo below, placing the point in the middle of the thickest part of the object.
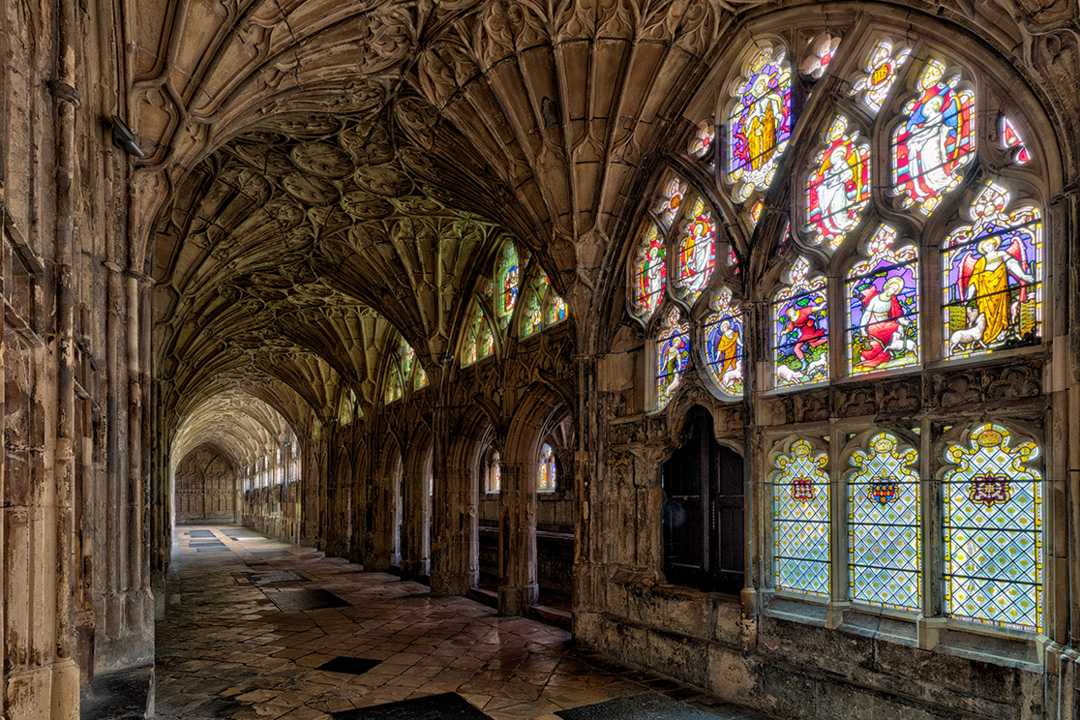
(518, 589)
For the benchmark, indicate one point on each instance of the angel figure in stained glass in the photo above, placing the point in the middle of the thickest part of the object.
(697, 251)
(759, 124)
(723, 344)
(984, 278)
(839, 187)
(935, 140)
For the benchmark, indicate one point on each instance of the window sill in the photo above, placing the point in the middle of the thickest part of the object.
(943, 635)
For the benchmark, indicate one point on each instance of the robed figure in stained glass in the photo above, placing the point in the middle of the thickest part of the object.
(763, 120)
(723, 346)
(802, 329)
(935, 140)
(984, 278)
(839, 186)
(882, 322)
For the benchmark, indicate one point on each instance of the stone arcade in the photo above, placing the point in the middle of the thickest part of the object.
(698, 357)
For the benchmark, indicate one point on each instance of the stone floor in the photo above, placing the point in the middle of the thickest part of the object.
(260, 629)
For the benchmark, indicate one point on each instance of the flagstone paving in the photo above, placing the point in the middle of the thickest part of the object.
(251, 632)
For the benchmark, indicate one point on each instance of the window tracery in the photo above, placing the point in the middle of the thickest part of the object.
(801, 328)
(800, 519)
(542, 308)
(546, 478)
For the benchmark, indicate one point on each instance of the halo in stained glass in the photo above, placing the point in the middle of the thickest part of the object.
(838, 187)
(723, 332)
(880, 71)
(993, 271)
(697, 252)
(507, 282)
(883, 306)
(670, 200)
(1011, 140)
(801, 329)
(672, 356)
(800, 519)
(934, 141)
(759, 122)
(993, 530)
(884, 529)
(649, 273)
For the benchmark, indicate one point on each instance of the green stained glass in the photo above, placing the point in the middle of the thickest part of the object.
(993, 530)
(800, 519)
(884, 533)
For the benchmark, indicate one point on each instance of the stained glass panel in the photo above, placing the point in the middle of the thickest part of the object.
(934, 141)
(420, 379)
(650, 273)
(394, 389)
(993, 268)
(801, 329)
(672, 356)
(556, 310)
(993, 530)
(800, 520)
(697, 252)
(671, 198)
(884, 530)
(545, 480)
(479, 339)
(838, 187)
(759, 123)
(507, 280)
(880, 72)
(1011, 139)
(532, 316)
(724, 344)
(820, 53)
(883, 306)
(702, 143)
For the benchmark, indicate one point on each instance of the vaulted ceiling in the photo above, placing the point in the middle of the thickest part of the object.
(321, 174)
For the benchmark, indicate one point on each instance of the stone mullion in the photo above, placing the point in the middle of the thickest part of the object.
(838, 557)
(451, 521)
(931, 620)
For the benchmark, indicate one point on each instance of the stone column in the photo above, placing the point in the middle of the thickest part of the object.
(518, 589)
(452, 514)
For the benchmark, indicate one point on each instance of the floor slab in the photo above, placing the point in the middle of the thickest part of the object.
(232, 646)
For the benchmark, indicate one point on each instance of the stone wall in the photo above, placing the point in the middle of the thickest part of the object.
(207, 487)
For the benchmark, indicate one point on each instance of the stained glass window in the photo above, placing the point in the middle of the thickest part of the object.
(493, 473)
(801, 329)
(759, 123)
(800, 519)
(671, 198)
(420, 379)
(934, 140)
(1011, 140)
(838, 187)
(479, 339)
(650, 273)
(556, 310)
(993, 530)
(532, 315)
(879, 73)
(672, 356)
(724, 344)
(820, 53)
(702, 143)
(883, 306)
(884, 530)
(993, 268)
(507, 280)
(697, 251)
(394, 390)
(756, 209)
(545, 479)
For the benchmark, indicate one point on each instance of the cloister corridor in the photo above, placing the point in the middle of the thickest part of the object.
(257, 628)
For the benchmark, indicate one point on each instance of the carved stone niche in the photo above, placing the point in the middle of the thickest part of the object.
(775, 411)
(812, 406)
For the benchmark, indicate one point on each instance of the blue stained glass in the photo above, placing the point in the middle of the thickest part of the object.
(800, 519)
(672, 356)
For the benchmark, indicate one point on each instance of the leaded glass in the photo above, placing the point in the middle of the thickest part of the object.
(801, 329)
(880, 72)
(993, 530)
(532, 315)
(671, 198)
(1011, 140)
(507, 280)
(724, 344)
(479, 339)
(800, 519)
(407, 357)
(838, 187)
(993, 269)
(697, 252)
(545, 480)
(759, 123)
(672, 356)
(702, 143)
(650, 273)
(934, 141)
(884, 531)
(420, 379)
(883, 306)
(394, 390)
(485, 341)
(555, 312)
(819, 54)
